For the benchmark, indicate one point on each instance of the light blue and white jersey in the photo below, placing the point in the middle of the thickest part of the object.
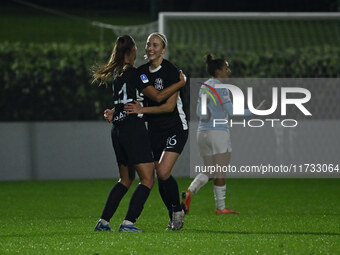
(219, 106)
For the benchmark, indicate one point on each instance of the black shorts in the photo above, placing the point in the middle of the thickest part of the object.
(131, 143)
(173, 141)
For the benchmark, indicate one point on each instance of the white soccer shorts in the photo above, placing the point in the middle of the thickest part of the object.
(211, 142)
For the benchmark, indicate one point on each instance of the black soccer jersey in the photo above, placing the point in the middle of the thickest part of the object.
(162, 77)
(126, 88)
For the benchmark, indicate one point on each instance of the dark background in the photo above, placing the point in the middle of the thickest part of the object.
(154, 6)
(46, 56)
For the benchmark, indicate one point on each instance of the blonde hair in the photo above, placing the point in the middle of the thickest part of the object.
(162, 37)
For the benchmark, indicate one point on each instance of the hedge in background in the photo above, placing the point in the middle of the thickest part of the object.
(52, 81)
(323, 61)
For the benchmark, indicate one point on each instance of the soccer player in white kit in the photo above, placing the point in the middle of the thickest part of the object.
(213, 142)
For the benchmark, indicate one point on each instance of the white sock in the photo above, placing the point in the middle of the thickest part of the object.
(104, 222)
(127, 222)
(219, 192)
(199, 181)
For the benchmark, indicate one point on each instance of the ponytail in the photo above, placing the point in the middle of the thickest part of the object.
(213, 64)
(115, 66)
(208, 59)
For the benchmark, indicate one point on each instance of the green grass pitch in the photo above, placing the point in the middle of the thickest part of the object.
(278, 216)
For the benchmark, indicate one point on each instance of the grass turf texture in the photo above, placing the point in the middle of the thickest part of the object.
(278, 216)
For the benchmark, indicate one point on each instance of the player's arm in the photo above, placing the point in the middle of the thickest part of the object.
(168, 106)
(161, 95)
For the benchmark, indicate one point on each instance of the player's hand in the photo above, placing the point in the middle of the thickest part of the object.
(133, 108)
(182, 77)
(108, 115)
(261, 105)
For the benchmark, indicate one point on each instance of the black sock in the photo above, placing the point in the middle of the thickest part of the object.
(164, 196)
(115, 196)
(171, 188)
(137, 201)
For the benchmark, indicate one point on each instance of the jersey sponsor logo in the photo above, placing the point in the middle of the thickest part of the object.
(120, 116)
(159, 83)
(144, 78)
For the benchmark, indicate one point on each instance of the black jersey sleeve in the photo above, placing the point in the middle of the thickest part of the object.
(142, 79)
(173, 74)
(135, 79)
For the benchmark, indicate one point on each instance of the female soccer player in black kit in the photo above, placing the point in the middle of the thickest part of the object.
(167, 125)
(129, 135)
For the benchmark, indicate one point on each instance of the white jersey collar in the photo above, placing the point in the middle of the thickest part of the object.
(155, 70)
(213, 82)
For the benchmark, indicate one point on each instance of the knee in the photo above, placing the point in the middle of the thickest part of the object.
(162, 174)
(126, 181)
(148, 181)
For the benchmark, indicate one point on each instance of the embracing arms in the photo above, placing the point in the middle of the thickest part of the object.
(160, 95)
(168, 106)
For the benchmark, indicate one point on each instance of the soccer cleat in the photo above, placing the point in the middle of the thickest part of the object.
(101, 227)
(169, 227)
(226, 211)
(186, 199)
(177, 220)
(129, 228)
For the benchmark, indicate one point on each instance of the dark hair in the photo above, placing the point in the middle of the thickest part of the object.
(213, 64)
(116, 66)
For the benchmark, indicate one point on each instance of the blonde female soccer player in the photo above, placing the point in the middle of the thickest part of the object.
(167, 124)
(129, 136)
